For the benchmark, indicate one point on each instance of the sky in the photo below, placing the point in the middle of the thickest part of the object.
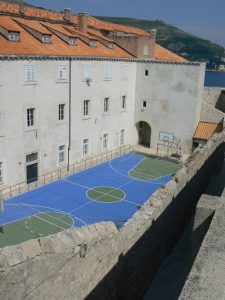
(203, 18)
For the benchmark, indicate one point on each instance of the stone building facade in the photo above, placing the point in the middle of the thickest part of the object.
(71, 89)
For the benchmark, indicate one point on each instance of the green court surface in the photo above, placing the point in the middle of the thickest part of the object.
(106, 194)
(33, 227)
(151, 168)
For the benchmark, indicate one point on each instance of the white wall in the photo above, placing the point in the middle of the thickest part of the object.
(45, 94)
(173, 93)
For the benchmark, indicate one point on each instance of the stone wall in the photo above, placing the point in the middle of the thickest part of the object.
(206, 279)
(100, 262)
(213, 107)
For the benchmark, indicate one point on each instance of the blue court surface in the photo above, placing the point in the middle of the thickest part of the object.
(70, 196)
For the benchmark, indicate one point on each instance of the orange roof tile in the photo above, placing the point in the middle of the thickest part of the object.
(164, 54)
(98, 34)
(160, 52)
(58, 16)
(28, 45)
(8, 24)
(206, 130)
(33, 24)
(115, 27)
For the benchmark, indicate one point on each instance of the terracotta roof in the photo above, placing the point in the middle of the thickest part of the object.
(160, 52)
(58, 16)
(164, 54)
(206, 130)
(98, 34)
(33, 25)
(29, 45)
(115, 27)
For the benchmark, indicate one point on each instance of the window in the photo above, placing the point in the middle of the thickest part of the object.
(92, 44)
(146, 72)
(107, 72)
(61, 154)
(62, 72)
(61, 111)
(87, 72)
(30, 73)
(106, 105)
(124, 72)
(85, 147)
(14, 36)
(72, 41)
(30, 116)
(1, 172)
(124, 100)
(46, 39)
(105, 142)
(86, 107)
(31, 157)
(110, 45)
(122, 137)
(144, 103)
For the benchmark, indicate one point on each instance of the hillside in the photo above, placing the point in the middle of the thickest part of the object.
(178, 41)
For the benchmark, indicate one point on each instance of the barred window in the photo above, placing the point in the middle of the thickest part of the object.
(105, 142)
(61, 112)
(122, 137)
(86, 107)
(62, 154)
(30, 117)
(31, 157)
(106, 105)
(124, 100)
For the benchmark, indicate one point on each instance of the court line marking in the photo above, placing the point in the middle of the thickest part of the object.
(50, 208)
(112, 191)
(80, 185)
(134, 203)
(39, 211)
(86, 204)
(171, 163)
(17, 225)
(153, 181)
(106, 194)
(62, 228)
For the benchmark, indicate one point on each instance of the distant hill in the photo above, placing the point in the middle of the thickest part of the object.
(178, 41)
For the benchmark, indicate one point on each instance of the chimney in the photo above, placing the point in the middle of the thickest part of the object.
(67, 14)
(21, 7)
(82, 21)
(153, 34)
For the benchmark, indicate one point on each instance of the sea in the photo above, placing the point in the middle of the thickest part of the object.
(214, 79)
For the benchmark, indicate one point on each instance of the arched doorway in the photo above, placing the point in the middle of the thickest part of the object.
(144, 133)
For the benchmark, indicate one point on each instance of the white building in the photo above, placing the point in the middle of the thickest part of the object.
(69, 91)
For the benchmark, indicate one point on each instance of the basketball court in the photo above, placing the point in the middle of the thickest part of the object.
(111, 191)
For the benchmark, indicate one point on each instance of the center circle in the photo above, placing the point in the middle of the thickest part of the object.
(106, 194)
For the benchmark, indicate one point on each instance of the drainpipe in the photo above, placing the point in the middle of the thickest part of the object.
(69, 143)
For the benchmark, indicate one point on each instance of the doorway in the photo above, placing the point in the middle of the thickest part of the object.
(144, 133)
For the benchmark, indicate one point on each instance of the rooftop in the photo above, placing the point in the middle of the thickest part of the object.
(206, 130)
(45, 22)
